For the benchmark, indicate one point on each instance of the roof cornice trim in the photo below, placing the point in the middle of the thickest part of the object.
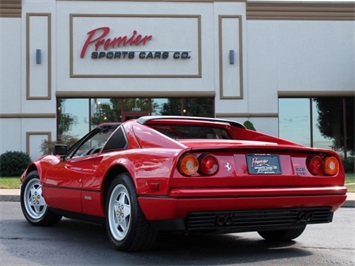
(300, 11)
(10, 8)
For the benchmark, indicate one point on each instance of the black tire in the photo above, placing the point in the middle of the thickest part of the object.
(282, 235)
(33, 204)
(127, 227)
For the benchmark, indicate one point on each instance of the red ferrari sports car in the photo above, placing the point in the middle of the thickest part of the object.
(184, 174)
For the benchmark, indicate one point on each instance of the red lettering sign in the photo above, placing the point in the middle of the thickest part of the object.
(97, 37)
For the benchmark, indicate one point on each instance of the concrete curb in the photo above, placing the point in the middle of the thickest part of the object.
(14, 195)
(349, 204)
(10, 198)
(10, 194)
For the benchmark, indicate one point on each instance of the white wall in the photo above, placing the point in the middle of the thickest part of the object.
(296, 56)
(10, 65)
(10, 83)
(34, 132)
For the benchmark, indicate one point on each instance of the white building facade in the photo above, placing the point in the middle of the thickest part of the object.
(69, 65)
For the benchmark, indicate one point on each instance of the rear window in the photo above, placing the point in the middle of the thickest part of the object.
(192, 132)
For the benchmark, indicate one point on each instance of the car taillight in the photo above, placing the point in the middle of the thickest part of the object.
(330, 165)
(188, 165)
(208, 164)
(322, 166)
(314, 165)
(205, 164)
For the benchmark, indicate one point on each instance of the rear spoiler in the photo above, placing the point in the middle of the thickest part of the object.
(145, 119)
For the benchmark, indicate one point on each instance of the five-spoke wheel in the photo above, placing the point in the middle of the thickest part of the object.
(120, 212)
(126, 225)
(33, 199)
(33, 204)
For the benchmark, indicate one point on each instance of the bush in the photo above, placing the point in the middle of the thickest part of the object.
(13, 163)
(249, 125)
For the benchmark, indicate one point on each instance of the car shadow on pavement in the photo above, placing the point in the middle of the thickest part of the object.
(73, 242)
(213, 249)
(196, 249)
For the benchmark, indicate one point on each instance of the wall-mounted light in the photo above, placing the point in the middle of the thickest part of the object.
(38, 56)
(231, 57)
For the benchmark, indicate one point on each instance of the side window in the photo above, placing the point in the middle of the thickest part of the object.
(92, 145)
(118, 141)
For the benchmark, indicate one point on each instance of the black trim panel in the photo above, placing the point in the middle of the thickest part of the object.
(257, 220)
(79, 216)
(71, 188)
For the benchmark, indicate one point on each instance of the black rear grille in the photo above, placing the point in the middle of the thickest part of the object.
(254, 220)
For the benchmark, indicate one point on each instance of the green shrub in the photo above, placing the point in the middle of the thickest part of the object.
(13, 163)
(249, 125)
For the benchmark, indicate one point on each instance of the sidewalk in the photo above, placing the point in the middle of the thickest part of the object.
(14, 195)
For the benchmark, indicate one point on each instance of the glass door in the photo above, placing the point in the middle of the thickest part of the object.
(135, 107)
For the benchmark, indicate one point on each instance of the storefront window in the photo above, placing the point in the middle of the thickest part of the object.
(328, 120)
(136, 105)
(322, 122)
(294, 120)
(73, 117)
(77, 116)
(198, 107)
(188, 106)
(158, 105)
(173, 106)
(349, 126)
(105, 110)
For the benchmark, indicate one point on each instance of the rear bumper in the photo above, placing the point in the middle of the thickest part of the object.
(181, 202)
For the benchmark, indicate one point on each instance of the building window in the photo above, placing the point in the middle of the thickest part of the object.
(295, 120)
(104, 110)
(73, 117)
(322, 122)
(77, 116)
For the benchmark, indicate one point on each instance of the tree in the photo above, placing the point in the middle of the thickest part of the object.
(107, 112)
(64, 120)
(192, 107)
(331, 121)
(202, 107)
(172, 107)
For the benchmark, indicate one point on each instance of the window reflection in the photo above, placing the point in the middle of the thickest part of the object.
(326, 122)
(332, 124)
(158, 105)
(136, 104)
(173, 106)
(93, 145)
(73, 117)
(77, 116)
(187, 106)
(199, 107)
(294, 120)
(105, 110)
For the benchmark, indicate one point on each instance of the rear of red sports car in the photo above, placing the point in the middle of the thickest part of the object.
(184, 174)
(231, 179)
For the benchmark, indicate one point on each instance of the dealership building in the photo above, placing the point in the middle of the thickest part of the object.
(288, 67)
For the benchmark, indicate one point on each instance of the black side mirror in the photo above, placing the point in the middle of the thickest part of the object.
(60, 149)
